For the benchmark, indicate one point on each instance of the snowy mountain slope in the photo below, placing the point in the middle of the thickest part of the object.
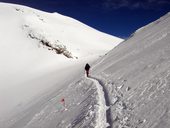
(41, 53)
(84, 107)
(127, 88)
(136, 75)
(56, 30)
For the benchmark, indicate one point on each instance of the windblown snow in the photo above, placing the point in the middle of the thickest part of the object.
(136, 75)
(42, 58)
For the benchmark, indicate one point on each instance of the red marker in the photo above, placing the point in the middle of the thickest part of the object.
(63, 102)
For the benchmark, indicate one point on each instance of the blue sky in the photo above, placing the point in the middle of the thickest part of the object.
(116, 17)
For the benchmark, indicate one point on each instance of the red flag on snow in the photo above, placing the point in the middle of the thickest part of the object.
(62, 100)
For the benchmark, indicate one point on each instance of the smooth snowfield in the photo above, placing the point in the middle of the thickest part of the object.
(42, 55)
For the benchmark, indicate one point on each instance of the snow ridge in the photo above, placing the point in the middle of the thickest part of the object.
(161, 19)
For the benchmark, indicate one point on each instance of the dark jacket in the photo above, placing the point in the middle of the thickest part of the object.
(87, 67)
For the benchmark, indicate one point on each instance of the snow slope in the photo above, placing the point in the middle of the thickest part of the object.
(127, 88)
(136, 76)
(41, 53)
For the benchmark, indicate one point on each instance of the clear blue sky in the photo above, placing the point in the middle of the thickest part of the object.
(116, 17)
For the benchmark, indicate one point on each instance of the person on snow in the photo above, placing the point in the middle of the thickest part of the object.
(87, 68)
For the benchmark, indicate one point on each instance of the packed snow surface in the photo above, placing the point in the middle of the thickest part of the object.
(42, 59)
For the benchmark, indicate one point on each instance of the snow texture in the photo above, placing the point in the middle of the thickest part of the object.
(41, 54)
(136, 76)
(127, 88)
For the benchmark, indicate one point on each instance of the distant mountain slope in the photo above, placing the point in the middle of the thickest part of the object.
(137, 76)
(39, 50)
(57, 32)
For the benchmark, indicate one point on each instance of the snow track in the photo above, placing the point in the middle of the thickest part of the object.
(101, 113)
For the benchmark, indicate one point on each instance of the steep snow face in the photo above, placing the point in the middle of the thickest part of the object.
(136, 75)
(39, 50)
